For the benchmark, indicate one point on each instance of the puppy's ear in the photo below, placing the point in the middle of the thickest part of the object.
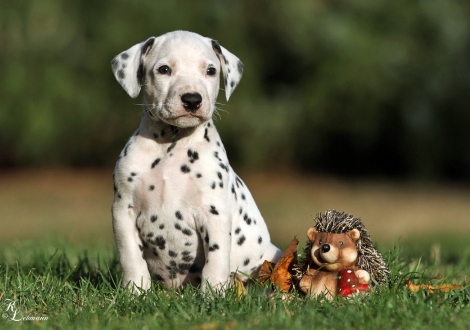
(232, 68)
(312, 232)
(128, 67)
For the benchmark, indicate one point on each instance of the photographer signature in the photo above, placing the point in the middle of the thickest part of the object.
(12, 313)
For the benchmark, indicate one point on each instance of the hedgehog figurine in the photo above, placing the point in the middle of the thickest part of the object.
(339, 258)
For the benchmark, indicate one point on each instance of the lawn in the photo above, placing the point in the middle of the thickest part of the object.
(79, 288)
(57, 258)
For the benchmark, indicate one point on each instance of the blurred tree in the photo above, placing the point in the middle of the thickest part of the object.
(354, 88)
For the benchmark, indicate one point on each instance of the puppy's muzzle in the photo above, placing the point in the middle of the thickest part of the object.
(191, 101)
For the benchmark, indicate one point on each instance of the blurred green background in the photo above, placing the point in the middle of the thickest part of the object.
(350, 88)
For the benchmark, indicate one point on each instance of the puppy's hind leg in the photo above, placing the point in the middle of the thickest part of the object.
(272, 253)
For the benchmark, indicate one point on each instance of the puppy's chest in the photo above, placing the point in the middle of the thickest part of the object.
(166, 177)
(182, 174)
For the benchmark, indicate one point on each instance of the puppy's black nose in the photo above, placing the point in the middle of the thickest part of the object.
(325, 248)
(191, 102)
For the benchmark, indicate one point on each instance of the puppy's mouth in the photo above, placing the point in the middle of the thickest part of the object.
(185, 120)
(188, 115)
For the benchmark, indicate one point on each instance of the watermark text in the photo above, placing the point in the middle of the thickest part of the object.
(12, 313)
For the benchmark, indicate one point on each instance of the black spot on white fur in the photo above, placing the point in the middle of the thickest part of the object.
(193, 156)
(140, 70)
(187, 258)
(241, 240)
(115, 64)
(160, 242)
(187, 231)
(128, 144)
(178, 215)
(213, 210)
(247, 219)
(121, 74)
(240, 67)
(185, 168)
(234, 192)
(246, 262)
(155, 163)
(171, 146)
(216, 47)
(224, 167)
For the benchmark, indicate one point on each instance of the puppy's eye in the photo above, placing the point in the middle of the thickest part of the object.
(164, 69)
(320, 242)
(211, 71)
(340, 243)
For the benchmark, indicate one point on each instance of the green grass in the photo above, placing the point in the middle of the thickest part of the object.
(79, 288)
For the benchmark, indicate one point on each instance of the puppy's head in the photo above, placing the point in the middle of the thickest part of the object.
(179, 74)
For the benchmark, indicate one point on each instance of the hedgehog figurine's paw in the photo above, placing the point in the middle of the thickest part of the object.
(363, 276)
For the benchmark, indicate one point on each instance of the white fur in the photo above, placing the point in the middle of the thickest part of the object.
(180, 212)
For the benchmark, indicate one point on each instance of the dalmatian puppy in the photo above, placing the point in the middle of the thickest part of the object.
(180, 213)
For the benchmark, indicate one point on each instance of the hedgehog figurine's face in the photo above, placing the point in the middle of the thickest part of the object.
(334, 251)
